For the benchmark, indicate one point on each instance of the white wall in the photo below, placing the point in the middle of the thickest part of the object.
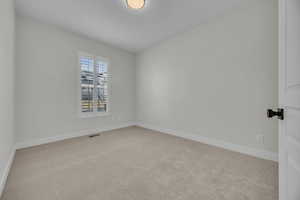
(216, 80)
(47, 82)
(7, 37)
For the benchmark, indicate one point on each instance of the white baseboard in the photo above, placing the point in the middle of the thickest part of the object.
(6, 171)
(36, 142)
(225, 145)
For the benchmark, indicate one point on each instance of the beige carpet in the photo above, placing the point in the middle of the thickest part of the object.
(138, 164)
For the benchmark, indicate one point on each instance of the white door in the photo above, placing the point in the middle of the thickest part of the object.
(289, 99)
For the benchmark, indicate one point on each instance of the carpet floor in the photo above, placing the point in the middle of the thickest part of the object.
(138, 164)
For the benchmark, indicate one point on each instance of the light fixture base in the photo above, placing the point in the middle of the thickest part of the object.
(136, 4)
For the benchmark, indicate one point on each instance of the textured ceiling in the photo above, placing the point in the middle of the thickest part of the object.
(110, 21)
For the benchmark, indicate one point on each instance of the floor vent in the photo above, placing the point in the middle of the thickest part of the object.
(96, 135)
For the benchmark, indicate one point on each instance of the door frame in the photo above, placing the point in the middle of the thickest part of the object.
(282, 26)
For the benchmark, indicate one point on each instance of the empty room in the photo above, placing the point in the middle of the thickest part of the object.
(149, 100)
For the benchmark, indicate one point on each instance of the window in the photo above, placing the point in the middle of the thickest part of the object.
(94, 85)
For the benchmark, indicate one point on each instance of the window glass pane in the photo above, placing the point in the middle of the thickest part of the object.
(86, 64)
(87, 84)
(101, 93)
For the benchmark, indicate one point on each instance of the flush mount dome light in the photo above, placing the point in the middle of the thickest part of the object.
(136, 4)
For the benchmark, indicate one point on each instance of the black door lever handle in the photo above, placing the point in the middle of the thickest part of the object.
(279, 113)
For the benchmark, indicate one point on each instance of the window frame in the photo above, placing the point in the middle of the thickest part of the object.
(94, 113)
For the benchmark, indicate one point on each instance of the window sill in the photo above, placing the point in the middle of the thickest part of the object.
(94, 115)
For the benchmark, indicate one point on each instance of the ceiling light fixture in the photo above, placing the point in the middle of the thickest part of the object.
(136, 4)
